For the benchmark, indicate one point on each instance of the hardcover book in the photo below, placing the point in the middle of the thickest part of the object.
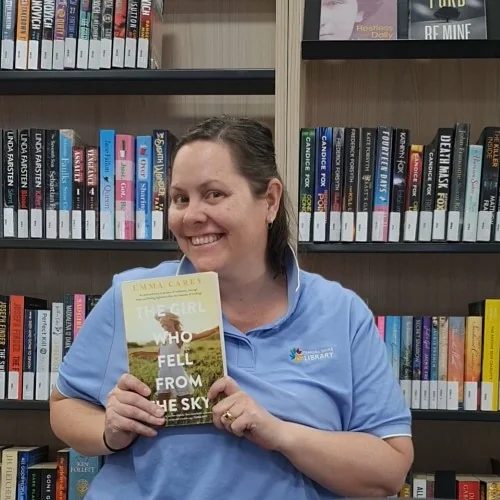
(175, 342)
(447, 20)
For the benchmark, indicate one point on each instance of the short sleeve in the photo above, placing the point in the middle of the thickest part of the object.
(83, 370)
(378, 404)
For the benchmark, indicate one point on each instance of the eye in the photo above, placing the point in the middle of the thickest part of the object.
(214, 194)
(180, 199)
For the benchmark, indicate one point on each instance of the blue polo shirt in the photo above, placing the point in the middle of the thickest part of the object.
(322, 365)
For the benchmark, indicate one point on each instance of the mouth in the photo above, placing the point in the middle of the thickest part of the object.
(206, 239)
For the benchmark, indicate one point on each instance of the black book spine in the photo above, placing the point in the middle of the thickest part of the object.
(352, 139)
(398, 190)
(37, 147)
(10, 183)
(68, 323)
(364, 209)
(48, 486)
(25, 173)
(77, 231)
(91, 192)
(35, 34)
(443, 172)
(428, 193)
(337, 180)
(306, 184)
(29, 355)
(51, 183)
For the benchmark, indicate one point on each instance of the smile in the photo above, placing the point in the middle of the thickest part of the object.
(205, 240)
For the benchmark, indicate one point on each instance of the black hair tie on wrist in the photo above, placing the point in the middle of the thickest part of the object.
(115, 450)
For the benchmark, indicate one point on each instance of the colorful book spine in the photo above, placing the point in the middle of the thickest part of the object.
(52, 150)
(94, 61)
(426, 362)
(306, 187)
(78, 186)
(61, 14)
(124, 187)
(82, 60)
(66, 140)
(92, 193)
(78, 313)
(159, 193)
(364, 203)
(10, 183)
(143, 42)
(433, 384)
(336, 187)
(82, 471)
(132, 33)
(351, 168)
(23, 226)
(491, 352)
(472, 190)
(56, 341)
(456, 340)
(120, 23)
(22, 33)
(322, 182)
(70, 41)
(406, 374)
(413, 192)
(416, 382)
(8, 33)
(107, 34)
(4, 344)
(107, 185)
(443, 363)
(143, 187)
(472, 361)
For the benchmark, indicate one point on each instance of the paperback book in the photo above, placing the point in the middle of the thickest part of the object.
(175, 342)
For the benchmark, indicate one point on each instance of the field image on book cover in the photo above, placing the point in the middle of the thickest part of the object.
(447, 19)
(358, 20)
(175, 342)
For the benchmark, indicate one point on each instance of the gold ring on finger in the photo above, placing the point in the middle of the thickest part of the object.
(228, 416)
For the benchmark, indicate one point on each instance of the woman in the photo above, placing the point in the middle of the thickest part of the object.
(331, 422)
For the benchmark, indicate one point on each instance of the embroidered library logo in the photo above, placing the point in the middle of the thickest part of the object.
(296, 355)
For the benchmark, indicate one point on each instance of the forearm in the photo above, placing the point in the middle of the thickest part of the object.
(351, 464)
(80, 425)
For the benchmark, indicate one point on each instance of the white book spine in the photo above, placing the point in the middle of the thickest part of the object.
(56, 341)
(43, 355)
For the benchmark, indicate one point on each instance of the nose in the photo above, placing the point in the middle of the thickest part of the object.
(194, 214)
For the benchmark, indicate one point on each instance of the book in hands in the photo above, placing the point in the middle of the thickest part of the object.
(175, 342)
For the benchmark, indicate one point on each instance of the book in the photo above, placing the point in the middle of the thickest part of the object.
(175, 342)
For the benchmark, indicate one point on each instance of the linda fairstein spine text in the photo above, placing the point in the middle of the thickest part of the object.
(175, 342)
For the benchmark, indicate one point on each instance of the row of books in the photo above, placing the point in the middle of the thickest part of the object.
(34, 338)
(54, 185)
(376, 184)
(450, 484)
(26, 472)
(447, 362)
(76, 34)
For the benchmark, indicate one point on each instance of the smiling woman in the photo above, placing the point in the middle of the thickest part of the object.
(311, 408)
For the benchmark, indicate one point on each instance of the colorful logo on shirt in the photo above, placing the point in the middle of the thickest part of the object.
(301, 355)
(296, 355)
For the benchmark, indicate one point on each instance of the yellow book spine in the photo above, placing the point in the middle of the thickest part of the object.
(490, 364)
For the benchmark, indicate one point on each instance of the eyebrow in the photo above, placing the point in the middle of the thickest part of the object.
(201, 187)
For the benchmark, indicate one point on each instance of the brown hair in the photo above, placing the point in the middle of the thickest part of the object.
(168, 315)
(252, 147)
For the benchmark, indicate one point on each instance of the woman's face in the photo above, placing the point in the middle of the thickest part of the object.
(338, 18)
(168, 324)
(219, 225)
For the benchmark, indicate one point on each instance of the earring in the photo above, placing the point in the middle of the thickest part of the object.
(269, 225)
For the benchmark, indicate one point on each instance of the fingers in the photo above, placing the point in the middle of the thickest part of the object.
(123, 424)
(135, 413)
(128, 382)
(132, 399)
(224, 385)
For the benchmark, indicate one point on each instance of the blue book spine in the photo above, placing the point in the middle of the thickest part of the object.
(66, 140)
(396, 346)
(107, 184)
(433, 375)
(389, 330)
(323, 172)
(406, 372)
(426, 362)
(143, 187)
(416, 383)
(81, 472)
(26, 459)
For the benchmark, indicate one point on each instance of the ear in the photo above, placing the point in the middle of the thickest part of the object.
(273, 197)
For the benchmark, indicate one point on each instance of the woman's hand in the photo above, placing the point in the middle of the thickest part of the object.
(239, 414)
(129, 414)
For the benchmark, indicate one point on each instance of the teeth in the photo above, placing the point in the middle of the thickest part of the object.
(205, 240)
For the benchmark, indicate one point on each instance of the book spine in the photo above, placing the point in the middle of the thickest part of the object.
(70, 52)
(399, 174)
(94, 61)
(382, 184)
(426, 362)
(365, 184)
(62, 459)
(322, 182)
(49, 9)
(350, 184)
(413, 194)
(92, 193)
(48, 483)
(490, 361)
(337, 180)
(159, 194)
(16, 335)
(416, 382)
(132, 33)
(78, 313)
(29, 355)
(124, 187)
(406, 373)
(443, 363)
(78, 186)
(472, 362)
(433, 384)
(143, 43)
(23, 225)
(473, 187)
(65, 182)
(52, 184)
(458, 177)
(68, 323)
(107, 185)
(107, 34)
(56, 341)
(22, 33)
(455, 386)
(306, 183)
(10, 183)
(37, 174)
(82, 60)
(143, 188)
(120, 23)
(9, 14)
(428, 193)
(443, 174)
(4, 344)
(43, 355)
(61, 15)
(36, 20)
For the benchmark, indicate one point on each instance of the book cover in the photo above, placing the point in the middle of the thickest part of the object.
(447, 20)
(358, 20)
(175, 342)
